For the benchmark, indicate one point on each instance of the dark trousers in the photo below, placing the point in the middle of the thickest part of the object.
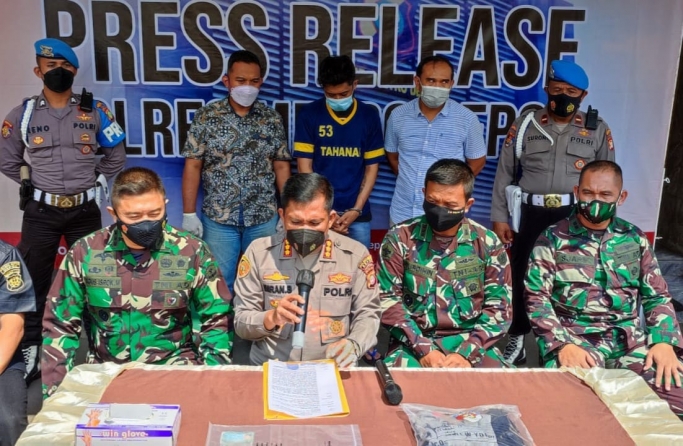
(41, 230)
(535, 219)
(13, 406)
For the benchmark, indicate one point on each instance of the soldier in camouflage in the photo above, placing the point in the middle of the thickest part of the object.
(142, 282)
(588, 276)
(445, 280)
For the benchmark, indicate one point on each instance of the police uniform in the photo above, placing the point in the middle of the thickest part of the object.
(585, 288)
(141, 308)
(454, 298)
(61, 146)
(549, 172)
(16, 297)
(344, 301)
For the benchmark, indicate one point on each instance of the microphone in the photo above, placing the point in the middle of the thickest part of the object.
(392, 391)
(304, 281)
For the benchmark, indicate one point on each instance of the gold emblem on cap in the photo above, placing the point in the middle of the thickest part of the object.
(46, 51)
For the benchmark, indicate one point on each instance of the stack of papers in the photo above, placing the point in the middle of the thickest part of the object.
(303, 390)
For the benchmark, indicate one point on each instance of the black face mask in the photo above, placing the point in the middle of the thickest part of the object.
(58, 80)
(563, 105)
(305, 241)
(146, 233)
(440, 218)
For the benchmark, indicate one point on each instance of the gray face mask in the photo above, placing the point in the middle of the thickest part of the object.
(434, 97)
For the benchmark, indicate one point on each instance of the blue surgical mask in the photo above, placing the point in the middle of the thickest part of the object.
(340, 105)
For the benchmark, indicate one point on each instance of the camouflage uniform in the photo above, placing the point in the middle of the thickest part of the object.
(585, 288)
(455, 300)
(140, 310)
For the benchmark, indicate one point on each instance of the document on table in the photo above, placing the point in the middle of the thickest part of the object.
(302, 390)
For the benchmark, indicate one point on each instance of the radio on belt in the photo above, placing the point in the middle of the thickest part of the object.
(141, 424)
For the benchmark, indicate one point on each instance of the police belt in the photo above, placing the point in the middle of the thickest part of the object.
(548, 200)
(64, 201)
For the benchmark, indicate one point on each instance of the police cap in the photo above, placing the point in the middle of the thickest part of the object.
(56, 49)
(569, 72)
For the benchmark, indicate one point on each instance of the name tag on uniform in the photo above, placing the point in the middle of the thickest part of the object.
(574, 259)
(171, 285)
(103, 282)
(626, 253)
(469, 266)
(421, 270)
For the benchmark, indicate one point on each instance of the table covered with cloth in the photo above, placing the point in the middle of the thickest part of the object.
(558, 407)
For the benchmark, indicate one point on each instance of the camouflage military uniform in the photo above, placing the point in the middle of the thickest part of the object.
(344, 301)
(584, 288)
(140, 310)
(455, 300)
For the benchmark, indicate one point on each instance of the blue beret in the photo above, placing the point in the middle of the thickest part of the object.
(569, 72)
(56, 49)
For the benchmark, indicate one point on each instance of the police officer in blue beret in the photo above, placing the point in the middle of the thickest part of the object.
(539, 164)
(61, 132)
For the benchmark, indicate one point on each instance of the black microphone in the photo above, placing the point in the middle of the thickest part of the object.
(392, 391)
(304, 281)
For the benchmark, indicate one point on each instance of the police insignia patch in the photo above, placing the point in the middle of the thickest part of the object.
(287, 249)
(336, 327)
(511, 135)
(244, 267)
(368, 267)
(584, 132)
(579, 164)
(610, 141)
(11, 271)
(106, 111)
(38, 140)
(86, 150)
(7, 128)
(339, 278)
(84, 117)
(276, 276)
(85, 137)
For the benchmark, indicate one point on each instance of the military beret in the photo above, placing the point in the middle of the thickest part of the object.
(56, 49)
(569, 72)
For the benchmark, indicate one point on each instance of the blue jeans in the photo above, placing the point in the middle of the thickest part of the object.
(13, 406)
(227, 242)
(360, 232)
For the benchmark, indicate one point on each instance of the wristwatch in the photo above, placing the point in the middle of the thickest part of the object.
(360, 211)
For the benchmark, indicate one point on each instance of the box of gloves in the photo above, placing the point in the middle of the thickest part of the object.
(139, 424)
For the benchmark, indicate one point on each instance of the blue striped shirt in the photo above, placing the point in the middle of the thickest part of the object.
(454, 133)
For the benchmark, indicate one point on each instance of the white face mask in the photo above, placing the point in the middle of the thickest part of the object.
(434, 97)
(244, 95)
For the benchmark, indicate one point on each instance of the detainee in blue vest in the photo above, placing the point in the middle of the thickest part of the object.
(340, 137)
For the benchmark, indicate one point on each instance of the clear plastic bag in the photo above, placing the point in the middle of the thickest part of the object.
(494, 425)
(284, 435)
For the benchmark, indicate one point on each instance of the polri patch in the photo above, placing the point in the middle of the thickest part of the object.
(11, 271)
(244, 267)
(86, 150)
(368, 267)
(7, 128)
